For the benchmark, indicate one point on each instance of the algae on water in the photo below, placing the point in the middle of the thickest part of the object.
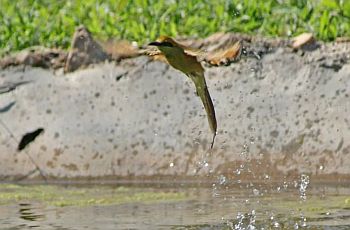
(82, 196)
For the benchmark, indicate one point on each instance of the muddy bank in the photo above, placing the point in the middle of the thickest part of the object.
(280, 116)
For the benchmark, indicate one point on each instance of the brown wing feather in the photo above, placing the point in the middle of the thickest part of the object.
(156, 54)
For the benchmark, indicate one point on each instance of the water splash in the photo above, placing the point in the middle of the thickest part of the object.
(244, 221)
(245, 151)
(239, 224)
(303, 185)
(256, 192)
(222, 180)
(252, 218)
(203, 164)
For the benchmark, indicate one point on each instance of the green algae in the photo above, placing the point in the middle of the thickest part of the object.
(312, 203)
(82, 196)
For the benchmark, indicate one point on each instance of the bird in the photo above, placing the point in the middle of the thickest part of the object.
(184, 59)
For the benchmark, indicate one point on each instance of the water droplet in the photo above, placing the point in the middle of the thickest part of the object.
(256, 192)
(222, 180)
(295, 184)
(296, 226)
(303, 222)
(257, 55)
(253, 212)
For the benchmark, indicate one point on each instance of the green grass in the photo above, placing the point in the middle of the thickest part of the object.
(26, 23)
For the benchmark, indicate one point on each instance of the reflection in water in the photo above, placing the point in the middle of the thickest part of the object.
(29, 213)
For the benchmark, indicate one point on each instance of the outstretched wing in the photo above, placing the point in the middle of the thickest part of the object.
(194, 52)
(203, 93)
(155, 53)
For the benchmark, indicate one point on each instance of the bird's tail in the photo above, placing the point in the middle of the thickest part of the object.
(209, 108)
(203, 93)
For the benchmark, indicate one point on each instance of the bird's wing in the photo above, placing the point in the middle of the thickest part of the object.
(221, 55)
(154, 53)
(159, 57)
(202, 91)
(224, 56)
(194, 52)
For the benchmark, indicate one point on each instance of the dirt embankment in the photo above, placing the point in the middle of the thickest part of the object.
(280, 112)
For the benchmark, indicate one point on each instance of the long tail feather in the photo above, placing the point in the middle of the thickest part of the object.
(209, 108)
(212, 142)
(203, 93)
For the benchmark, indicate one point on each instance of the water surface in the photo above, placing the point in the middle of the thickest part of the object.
(292, 205)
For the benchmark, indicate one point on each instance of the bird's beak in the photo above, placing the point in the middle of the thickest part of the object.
(155, 44)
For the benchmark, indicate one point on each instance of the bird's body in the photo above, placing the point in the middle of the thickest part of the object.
(178, 59)
(176, 55)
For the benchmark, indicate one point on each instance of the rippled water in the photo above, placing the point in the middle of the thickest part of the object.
(292, 205)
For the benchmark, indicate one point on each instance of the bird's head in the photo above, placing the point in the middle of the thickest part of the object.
(166, 44)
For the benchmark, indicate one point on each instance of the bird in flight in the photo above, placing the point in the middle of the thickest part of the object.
(185, 59)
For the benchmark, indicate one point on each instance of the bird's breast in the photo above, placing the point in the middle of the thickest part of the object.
(184, 63)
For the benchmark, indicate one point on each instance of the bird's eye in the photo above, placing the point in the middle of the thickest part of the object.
(167, 44)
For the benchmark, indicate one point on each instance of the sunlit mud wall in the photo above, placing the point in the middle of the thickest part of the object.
(280, 116)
